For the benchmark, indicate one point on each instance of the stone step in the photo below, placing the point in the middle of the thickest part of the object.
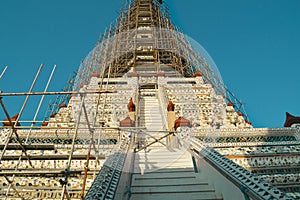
(150, 117)
(152, 122)
(152, 106)
(167, 152)
(149, 97)
(151, 166)
(173, 189)
(163, 181)
(154, 165)
(150, 110)
(162, 160)
(179, 196)
(154, 114)
(149, 100)
(162, 156)
(154, 126)
(144, 121)
(175, 173)
(179, 171)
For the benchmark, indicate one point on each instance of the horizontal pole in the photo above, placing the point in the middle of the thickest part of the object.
(29, 147)
(52, 93)
(50, 157)
(37, 171)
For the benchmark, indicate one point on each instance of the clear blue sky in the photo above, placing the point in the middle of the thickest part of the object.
(255, 44)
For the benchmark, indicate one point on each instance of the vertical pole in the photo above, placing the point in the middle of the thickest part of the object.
(92, 143)
(86, 170)
(72, 149)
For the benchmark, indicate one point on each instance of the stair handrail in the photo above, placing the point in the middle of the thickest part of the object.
(249, 183)
(136, 100)
(163, 102)
(105, 183)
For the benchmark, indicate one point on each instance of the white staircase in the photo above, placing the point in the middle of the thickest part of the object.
(151, 119)
(160, 172)
(169, 175)
(150, 113)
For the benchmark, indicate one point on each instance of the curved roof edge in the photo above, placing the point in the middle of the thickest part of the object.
(290, 120)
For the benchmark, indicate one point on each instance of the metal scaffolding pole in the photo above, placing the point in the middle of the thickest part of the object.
(51, 93)
(32, 125)
(3, 72)
(92, 143)
(18, 118)
(64, 190)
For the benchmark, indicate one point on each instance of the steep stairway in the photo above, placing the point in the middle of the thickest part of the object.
(151, 118)
(150, 112)
(169, 175)
(163, 173)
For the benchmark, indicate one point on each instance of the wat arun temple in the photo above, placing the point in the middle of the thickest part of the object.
(146, 117)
